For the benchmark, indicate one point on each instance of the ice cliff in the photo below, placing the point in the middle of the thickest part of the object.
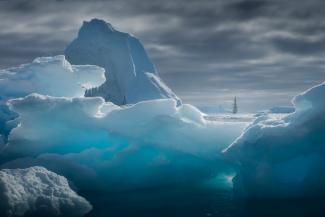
(131, 76)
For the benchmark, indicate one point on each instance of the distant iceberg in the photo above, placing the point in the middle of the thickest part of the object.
(131, 76)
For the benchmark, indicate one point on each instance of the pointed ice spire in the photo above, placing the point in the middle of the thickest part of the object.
(235, 107)
(124, 101)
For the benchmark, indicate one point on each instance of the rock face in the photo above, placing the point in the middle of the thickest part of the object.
(35, 191)
(130, 75)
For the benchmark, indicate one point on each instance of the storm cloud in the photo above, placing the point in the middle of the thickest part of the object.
(264, 52)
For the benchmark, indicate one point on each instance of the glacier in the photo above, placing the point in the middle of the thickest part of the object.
(284, 157)
(36, 191)
(131, 76)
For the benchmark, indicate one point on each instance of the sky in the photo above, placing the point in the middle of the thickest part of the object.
(264, 52)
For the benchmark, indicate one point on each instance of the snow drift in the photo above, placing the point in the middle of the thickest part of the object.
(284, 157)
(131, 76)
(38, 192)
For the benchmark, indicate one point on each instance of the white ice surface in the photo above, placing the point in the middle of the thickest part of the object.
(38, 192)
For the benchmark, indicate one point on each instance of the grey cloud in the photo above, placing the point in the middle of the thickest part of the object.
(207, 51)
(23, 48)
(300, 46)
(249, 9)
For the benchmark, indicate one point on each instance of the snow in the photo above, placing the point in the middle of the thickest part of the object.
(38, 192)
(131, 76)
(134, 145)
(284, 156)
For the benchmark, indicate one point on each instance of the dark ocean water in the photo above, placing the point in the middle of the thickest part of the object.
(190, 202)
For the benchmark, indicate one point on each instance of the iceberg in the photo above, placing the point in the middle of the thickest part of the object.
(130, 75)
(97, 144)
(284, 157)
(92, 141)
(36, 191)
(53, 76)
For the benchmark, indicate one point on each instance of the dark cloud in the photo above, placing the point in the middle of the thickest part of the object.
(249, 6)
(249, 9)
(208, 51)
(300, 46)
(23, 6)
